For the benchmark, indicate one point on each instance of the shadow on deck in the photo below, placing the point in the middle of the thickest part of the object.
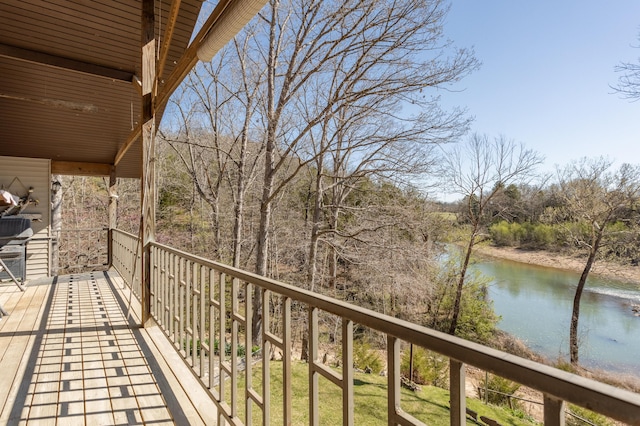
(71, 352)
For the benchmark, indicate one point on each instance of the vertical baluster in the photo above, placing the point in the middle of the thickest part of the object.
(553, 411)
(155, 282)
(194, 317)
(266, 350)
(187, 309)
(172, 295)
(140, 269)
(248, 377)
(203, 312)
(222, 338)
(152, 276)
(393, 379)
(212, 327)
(165, 289)
(286, 360)
(347, 372)
(314, 417)
(166, 320)
(457, 393)
(157, 305)
(181, 267)
(234, 347)
(157, 255)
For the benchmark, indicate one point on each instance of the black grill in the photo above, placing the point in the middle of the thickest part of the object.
(14, 234)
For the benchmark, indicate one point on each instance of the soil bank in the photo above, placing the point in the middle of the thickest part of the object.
(604, 269)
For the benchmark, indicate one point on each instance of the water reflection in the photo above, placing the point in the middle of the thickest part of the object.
(535, 305)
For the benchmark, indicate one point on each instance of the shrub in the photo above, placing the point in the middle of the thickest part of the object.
(503, 388)
(365, 358)
(538, 235)
(501, 234)
(429, 368)
(477, 321)
(542, 236)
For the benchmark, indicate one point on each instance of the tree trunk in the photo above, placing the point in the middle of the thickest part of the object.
(575, 313)
(262, 249)
(261, 268)
(216, 229)
(239, 209)
(315, 229)
(463, 272)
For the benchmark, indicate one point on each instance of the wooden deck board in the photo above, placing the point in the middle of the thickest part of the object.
(69, 354)
(16, 339)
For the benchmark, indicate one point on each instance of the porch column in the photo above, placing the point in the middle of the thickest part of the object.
(148, 186)
(112, 213)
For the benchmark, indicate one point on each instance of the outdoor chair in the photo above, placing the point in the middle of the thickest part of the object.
(15, 232)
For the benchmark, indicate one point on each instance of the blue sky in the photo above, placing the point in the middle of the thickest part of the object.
(546, 72)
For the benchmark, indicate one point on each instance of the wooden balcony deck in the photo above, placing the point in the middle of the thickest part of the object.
(70, 353)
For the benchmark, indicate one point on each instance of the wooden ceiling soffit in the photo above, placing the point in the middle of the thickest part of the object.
(133, 136)
(55, 103)
(189, 59)
(79, 169)
(33, 56)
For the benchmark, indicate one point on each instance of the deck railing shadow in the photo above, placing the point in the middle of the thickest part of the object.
(40, 331)
(69, 371)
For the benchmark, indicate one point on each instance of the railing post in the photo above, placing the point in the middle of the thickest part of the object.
(457, 393)
(109, 248)
(286, 360)
(393, 379)
(553, 411)
(266, 350)
(112, 213)
(146, 285)
(314, 417)
(347, 372)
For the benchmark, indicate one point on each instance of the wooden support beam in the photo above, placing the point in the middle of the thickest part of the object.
(190, 57)
(33, 56)
(80, 169)
(168, 36)
(133, 136)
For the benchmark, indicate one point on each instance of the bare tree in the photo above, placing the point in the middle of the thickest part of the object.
(216, 138)
(629, 81)
(479, 170)
(594, 195)
(322, 56)
(362, 144)
(203, 153)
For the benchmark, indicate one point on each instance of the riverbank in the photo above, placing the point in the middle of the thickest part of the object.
(607, 270)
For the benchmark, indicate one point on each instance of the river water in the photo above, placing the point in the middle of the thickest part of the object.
(535, 305)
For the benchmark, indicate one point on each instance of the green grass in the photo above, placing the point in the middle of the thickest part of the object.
(430, 405)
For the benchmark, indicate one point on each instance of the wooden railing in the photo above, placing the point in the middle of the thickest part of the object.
(206, 310)
(125, 255)
(81, 250)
